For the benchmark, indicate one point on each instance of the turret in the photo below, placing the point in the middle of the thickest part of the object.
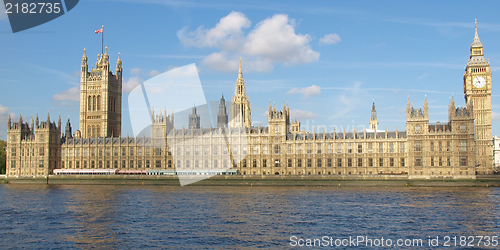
(106, 56)
(451, 108)
(32, 125)
(67, 131)
(222, 117)
(194, 120)
(426, 108)
(279, 121)
(119, 68)
(85, 66)
(374, 119)
(98, 62)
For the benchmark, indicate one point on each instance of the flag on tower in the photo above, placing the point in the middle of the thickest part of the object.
(102, 37)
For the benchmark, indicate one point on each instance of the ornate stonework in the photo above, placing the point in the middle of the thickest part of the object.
(460, 148)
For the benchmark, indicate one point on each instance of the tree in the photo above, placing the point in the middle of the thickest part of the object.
(3, 156)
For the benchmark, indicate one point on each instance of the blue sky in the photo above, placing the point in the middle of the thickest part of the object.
(328, 59)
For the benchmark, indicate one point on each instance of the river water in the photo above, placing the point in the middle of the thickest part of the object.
(138, 217)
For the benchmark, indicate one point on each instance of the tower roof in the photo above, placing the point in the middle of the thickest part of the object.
(476, 42)
(476, 51)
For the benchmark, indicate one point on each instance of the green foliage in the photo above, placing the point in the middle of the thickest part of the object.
(3, 156)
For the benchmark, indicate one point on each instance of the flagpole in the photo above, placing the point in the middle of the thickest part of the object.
(102, 40)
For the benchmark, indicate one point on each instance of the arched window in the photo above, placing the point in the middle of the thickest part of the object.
(98, 130)
(98, 102)
(89, 103)
(89, 131)
(93, 102)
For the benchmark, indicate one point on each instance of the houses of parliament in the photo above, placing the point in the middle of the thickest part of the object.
(460, 148)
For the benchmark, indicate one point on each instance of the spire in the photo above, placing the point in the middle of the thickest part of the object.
(408, 105)
(426, 108)
(68, 133)
(105, 58)
(476, 42)
(476, 51)
(9, 122)
(373, 119)
(84, 57)
(240, 74)
(118, 64)
(240, 107)
(374, 112)
(222, 117)
(194, 120)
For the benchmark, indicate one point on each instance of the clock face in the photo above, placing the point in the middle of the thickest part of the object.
(479, 82)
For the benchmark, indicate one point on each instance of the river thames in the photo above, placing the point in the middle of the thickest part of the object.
(138, 217)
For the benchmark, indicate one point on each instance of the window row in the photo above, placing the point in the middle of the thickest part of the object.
(109, 152)
(114, 164)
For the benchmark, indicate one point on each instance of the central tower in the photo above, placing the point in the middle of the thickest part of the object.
(100, 98)
(477, 91)
(240, 108)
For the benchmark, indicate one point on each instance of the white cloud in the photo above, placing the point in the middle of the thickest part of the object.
(275, 39)
(301, 114)
(219, 62)
(307, 92)
(131, 83)
(227, 33)
(330, 39)
(272, 41)
(495, 116)
(72, 94)
(136, 71)
(153, 73)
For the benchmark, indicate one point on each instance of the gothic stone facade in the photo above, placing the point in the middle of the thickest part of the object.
(457, 149)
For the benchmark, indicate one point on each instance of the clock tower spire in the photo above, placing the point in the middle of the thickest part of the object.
(477, 91)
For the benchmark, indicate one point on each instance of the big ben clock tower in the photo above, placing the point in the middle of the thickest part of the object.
(477, 90)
